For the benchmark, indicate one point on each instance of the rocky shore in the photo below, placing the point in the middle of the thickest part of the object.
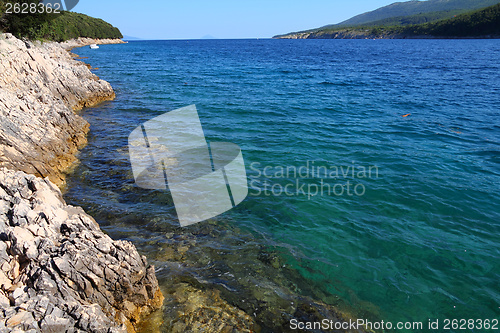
(41, 87)
(58, 271)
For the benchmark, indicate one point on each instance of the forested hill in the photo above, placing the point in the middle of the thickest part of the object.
(56, 27)
(409, 8)
(480, 23)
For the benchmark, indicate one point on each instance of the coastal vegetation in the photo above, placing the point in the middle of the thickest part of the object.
(414, 19)
(420, 10)
(478, 23)
(54, 27)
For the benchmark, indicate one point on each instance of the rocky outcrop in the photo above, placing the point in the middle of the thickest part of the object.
(40, 87)
(59, 272)
(82, 41)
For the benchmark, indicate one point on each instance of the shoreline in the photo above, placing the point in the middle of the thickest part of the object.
(75, 235)
(358, 34)
(58, 270)
(194, 301)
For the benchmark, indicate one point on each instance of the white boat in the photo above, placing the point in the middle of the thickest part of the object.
(94, 46)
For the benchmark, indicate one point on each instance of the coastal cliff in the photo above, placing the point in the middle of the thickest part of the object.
(58, 271)
(41, 87)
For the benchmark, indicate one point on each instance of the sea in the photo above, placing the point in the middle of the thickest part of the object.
(373, 169)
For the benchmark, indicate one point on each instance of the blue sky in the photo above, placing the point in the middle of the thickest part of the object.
(189, 19)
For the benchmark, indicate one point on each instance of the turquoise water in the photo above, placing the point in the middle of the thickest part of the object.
(419, 237)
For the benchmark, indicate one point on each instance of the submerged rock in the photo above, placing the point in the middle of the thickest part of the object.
(59, 272)
(41, 86)
(195, 310)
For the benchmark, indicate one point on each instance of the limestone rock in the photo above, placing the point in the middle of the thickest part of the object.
(59, 272)
(41, 86)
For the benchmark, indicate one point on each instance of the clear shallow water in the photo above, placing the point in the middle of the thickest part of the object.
(422, 242)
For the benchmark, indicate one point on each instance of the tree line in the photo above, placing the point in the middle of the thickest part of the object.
(59, 27)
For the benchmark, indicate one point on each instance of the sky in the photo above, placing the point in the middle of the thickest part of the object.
(193, 19)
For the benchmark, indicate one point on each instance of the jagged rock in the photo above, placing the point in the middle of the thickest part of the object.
(59, 272)
(41, 86)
